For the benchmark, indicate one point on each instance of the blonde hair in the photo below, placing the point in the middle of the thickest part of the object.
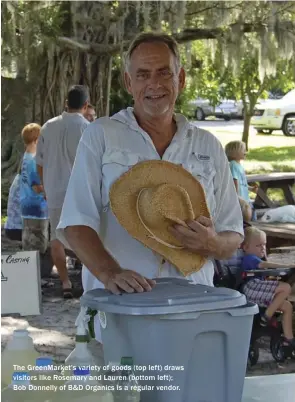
(233, 147)
(251, 232)
(30, 133)
(246, 209)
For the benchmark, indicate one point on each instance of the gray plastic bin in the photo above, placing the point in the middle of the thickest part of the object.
(206, 330)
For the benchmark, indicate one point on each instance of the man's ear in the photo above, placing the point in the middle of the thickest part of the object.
(85, 106)
(127, 83)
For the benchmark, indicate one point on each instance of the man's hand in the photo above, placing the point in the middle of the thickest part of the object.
(126, 280)
(199, 236)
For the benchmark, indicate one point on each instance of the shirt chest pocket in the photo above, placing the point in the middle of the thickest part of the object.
(204, 170)
(114, 164)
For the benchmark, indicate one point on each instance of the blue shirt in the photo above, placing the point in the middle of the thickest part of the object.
(14, 217)
(238, 173)
(33, 205)
(250, 262)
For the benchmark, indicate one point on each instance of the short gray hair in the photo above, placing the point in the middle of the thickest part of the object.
(151, 37)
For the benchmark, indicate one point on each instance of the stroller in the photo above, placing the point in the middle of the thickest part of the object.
(228, 274)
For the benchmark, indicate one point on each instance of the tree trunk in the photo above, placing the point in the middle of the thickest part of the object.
(245, 137)
(16, 112)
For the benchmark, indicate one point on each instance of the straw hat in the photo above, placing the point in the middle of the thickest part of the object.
(154, 195)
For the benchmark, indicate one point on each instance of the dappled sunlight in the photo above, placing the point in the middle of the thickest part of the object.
(272, 154)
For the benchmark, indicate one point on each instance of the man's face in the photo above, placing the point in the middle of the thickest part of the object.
(153, 79)
(89, 114)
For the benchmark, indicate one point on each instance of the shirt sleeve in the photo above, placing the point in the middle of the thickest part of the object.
(34, 178)
(228, 214)
(40, 148)
(234, 170)
(250, 262)
(82, 204)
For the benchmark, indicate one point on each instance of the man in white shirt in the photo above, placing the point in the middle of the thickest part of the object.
(150, 130)
(55, 157)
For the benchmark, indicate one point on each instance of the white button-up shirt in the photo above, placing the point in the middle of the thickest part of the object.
(108, 148)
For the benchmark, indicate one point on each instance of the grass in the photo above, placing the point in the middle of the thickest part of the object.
(3, 219)
(272, 154)
(267, 153)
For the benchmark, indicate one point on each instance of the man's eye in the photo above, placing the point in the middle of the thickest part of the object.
(142, 76)
(166, 73)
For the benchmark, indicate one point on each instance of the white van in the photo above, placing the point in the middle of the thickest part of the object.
(276, 115)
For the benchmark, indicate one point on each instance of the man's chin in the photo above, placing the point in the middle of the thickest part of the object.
(156, 112)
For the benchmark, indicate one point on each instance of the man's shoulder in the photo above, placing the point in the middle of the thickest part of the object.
(51, 123)
(107, 122)
(204, 135)
(102, 125)
(77, 118)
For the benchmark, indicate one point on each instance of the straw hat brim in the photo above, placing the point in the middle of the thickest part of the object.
(123, 198)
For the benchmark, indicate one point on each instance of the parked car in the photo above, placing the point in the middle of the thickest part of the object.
(227, 109)
(275, 115)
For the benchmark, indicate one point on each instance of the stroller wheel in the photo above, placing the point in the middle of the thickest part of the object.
(253, 355)
(277, 349)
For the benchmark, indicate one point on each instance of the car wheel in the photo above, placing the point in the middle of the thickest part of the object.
(289, 127)
(200, 115)
(227, 118)
(266, 132)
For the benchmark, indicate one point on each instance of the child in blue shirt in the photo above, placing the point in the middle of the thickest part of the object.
(236, 152)
(271, 294)
(34, 209)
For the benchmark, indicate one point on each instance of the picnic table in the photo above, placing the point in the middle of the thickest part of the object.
(277, 230)
(283, 181)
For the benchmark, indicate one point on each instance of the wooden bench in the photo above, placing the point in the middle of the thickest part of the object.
(283, 250)
(278, 234)
(283, 181)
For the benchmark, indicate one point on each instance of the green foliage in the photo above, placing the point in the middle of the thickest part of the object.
(271, 154)
(119, 97)
(28, 27)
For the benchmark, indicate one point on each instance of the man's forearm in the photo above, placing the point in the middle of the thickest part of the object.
(88, 247)
(226, 243)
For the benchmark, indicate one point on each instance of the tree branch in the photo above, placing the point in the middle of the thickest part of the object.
(215, 5)
(213, 33)
(91, 48)
(186, 35)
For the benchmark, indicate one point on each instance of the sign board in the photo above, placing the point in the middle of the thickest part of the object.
(21, 283)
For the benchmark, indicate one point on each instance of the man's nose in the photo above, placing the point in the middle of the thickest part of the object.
(155, 80)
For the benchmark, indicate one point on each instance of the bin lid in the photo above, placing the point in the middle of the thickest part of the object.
(169, 296)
